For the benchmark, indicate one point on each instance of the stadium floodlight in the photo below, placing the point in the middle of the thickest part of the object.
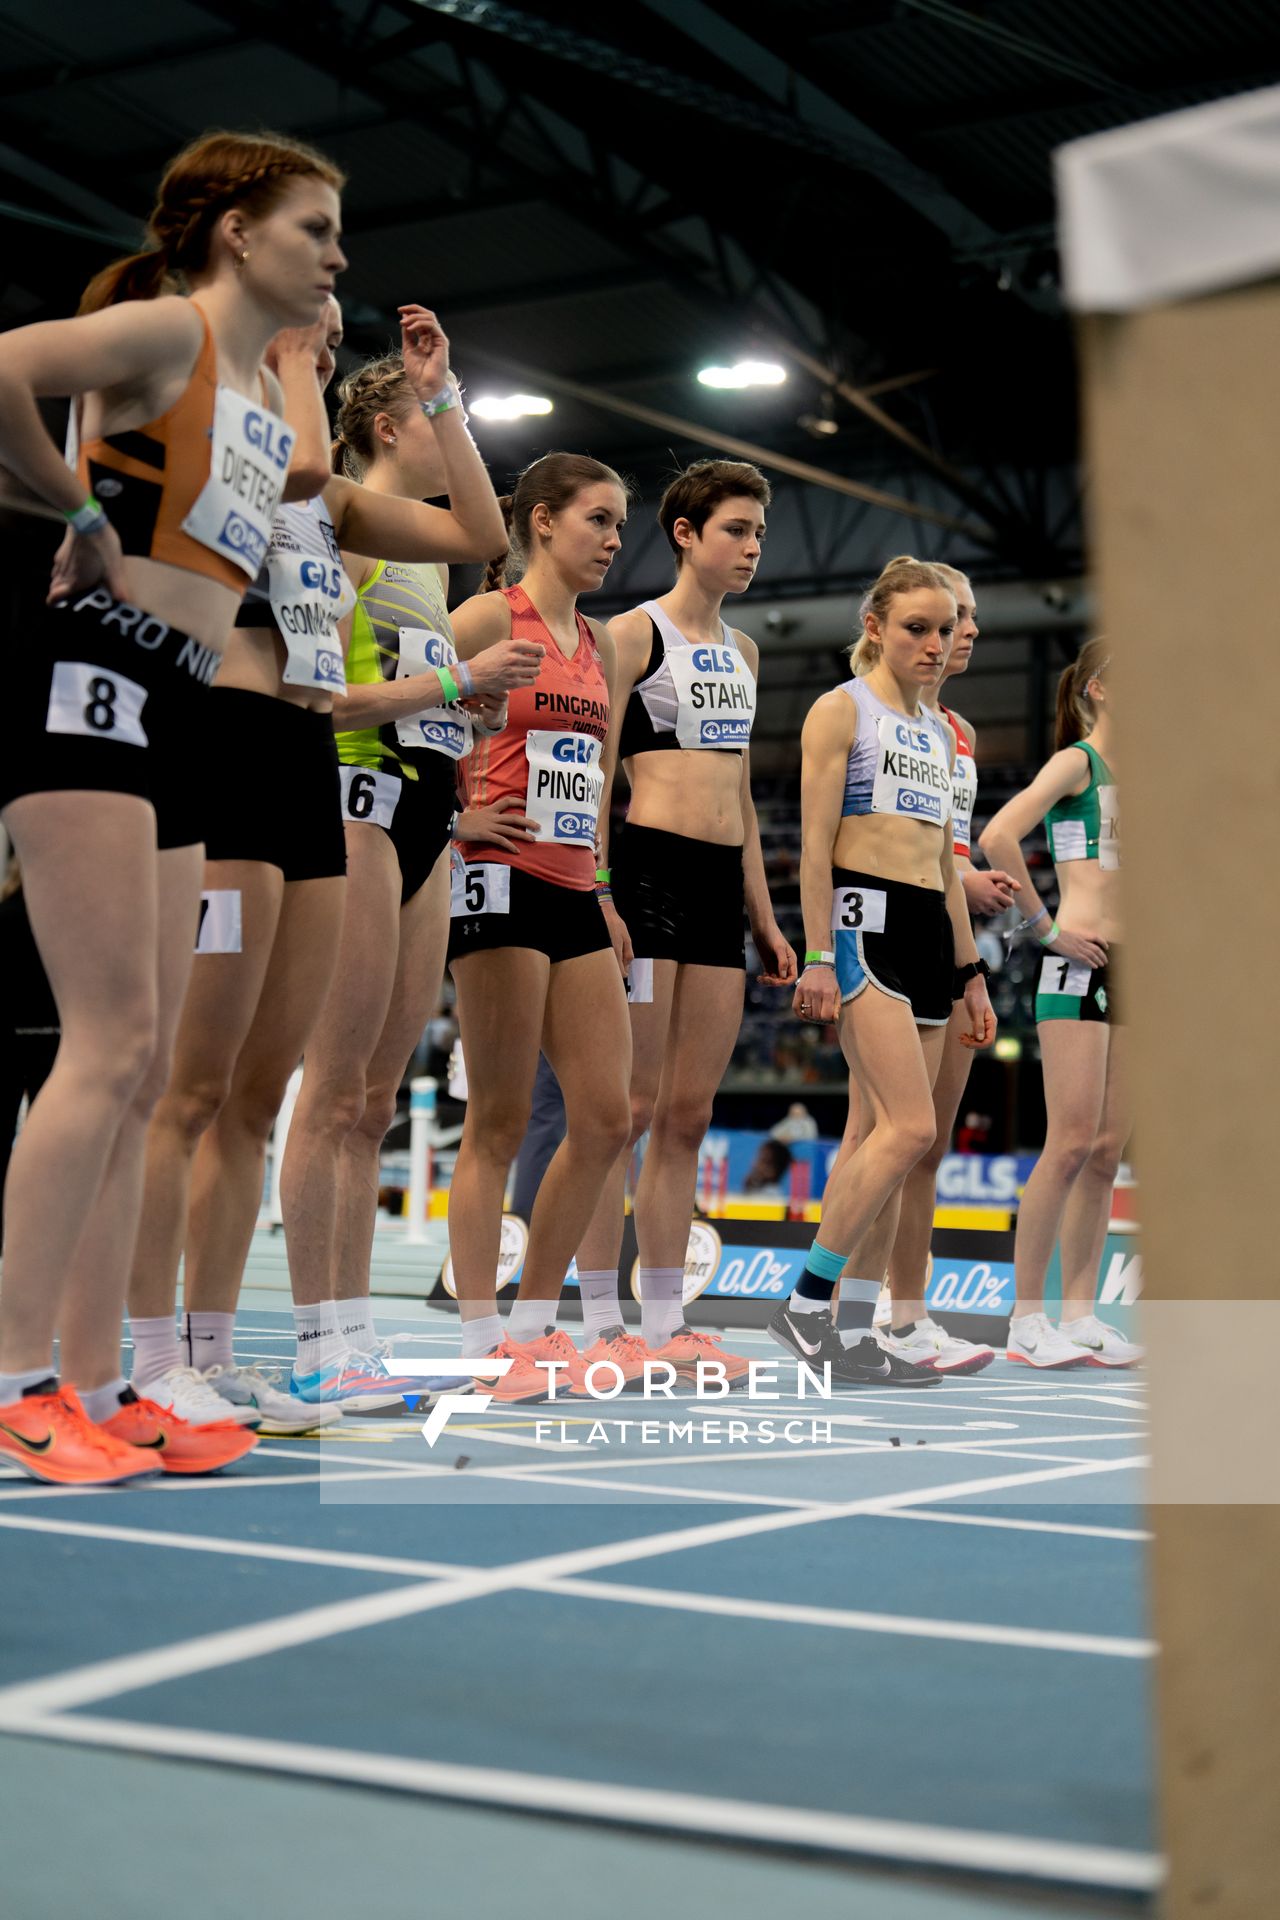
(507, 406)
(746, 373)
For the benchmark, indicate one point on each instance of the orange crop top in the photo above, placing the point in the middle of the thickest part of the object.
(196, 488)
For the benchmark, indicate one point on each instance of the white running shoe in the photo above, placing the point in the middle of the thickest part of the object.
(929, 1345)
(186, 1392)
(1034, 1341)
(1103, 1346)
(279, 1413)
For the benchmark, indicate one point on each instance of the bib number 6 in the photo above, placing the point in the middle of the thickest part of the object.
(370, 798)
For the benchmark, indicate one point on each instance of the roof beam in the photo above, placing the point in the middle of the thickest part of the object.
(860, 144)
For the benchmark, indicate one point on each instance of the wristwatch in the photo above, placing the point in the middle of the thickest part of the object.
(971, 972)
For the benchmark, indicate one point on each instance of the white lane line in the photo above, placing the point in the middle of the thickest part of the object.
(728, 1606)
(100, 1680)
(1027, 1526)
(1064, 1861)
(973, 1632)
(191, 1483)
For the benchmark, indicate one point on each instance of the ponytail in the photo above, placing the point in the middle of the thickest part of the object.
(215, 173)
(495, 574)
(1074, 716)
(903, 574)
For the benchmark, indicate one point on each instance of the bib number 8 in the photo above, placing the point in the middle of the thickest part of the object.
(102, 706)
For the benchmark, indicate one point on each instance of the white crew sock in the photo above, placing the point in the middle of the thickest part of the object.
(529, 1319)
(14, 1385)
(101, 1402)
(661, 1304)
(319, 1341)
(482, 1335)
(206, 1339)
(155, 1348)
(601, 1308)
(355, 1322)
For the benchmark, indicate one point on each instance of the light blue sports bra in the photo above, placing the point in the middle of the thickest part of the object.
(910, 761)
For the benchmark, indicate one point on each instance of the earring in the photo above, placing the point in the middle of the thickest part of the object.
(242, 258)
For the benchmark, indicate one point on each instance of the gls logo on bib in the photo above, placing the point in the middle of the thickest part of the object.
(714, 660)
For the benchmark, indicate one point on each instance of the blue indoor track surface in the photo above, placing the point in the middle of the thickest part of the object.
(555, 1662)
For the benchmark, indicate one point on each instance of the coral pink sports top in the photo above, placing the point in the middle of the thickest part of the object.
(547, 756)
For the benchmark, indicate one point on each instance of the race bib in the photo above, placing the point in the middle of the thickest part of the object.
(100, 705)
(220, 927)
(1064, 976)
(249, 459)
(715, 696)
(1109, 831)
(912, 775)
(964, 793)
(442, 729)
(565, 785)
(307, 602)
(640, 983)
(858, 910)
(483, 887)
(370, 797)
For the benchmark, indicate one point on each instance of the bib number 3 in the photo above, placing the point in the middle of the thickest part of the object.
(858, 910)
(102, 706)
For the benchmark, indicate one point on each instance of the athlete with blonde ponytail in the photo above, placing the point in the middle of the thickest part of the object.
(183, 460)
(885, 926)
(409, 713)
(1083, 1044)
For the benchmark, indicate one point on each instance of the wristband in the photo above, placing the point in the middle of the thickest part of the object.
(1047, 939)
(1033, 920)
(443, 402)
(461, 672)
(603, 893)
(817, 958)
(90, 518)
(603, 876)
(448, 684)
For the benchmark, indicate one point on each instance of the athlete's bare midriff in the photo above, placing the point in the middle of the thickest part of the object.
(253, 661)
(698, 794)
(1089, 899)
(906, 850)
(201, 607)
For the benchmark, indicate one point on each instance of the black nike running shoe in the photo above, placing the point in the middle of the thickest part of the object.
(812, 1337)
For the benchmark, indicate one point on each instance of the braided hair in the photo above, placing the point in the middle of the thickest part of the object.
(216, 172)
(379, 386)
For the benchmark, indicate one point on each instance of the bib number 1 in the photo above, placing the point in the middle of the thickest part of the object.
(1065, 976)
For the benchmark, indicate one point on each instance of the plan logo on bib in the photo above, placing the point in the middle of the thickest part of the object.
(240, 537)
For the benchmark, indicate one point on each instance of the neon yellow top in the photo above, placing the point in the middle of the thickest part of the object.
(397, 594)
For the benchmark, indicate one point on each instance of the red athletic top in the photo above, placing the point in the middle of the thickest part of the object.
(547, 756)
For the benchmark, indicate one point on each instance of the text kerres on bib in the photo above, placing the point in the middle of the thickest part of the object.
(912, 776)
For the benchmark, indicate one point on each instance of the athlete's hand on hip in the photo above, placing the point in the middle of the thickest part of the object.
(87, 560)
(817, 995)
(512, 663)
(499, 824)
(987, 892)
(616, 927)
(1079, 946)
(982, 1022)
(777, 956)
(424, 349)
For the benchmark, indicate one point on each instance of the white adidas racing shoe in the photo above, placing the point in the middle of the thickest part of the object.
(929, 1345)
(1034, 1341)
(1101, 1345)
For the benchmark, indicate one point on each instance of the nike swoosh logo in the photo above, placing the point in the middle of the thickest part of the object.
(31, 1446)
(1095, 1346)
(802, 1342)
(1029, 1346)
(159, 1441)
